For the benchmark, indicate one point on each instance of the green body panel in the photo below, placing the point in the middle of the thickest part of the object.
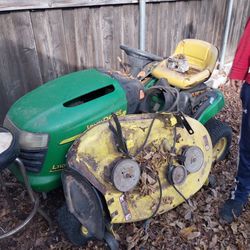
(214, 108)
(49, 115)
(151, 82)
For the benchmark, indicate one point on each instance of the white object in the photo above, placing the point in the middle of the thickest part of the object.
(5, 141)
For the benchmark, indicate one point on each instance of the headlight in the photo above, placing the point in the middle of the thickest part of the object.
(27, 140)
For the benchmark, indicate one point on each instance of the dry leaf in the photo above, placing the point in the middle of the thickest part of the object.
(193, 235)
(214, 241)
(185, 232)
(234, 227)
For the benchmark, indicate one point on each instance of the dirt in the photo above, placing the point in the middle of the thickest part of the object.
(186, 227)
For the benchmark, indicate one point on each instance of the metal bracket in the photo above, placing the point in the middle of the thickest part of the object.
(182, 120)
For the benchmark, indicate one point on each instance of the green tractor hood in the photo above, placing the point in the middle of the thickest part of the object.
(47, 107)
(48, 119)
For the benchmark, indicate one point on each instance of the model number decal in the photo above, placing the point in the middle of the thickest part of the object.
(106, 118)
(71, 139)
(57, 167)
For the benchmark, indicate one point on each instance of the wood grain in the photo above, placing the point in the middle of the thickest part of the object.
(7, 5)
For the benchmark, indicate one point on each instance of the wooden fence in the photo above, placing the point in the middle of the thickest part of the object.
(40, 45)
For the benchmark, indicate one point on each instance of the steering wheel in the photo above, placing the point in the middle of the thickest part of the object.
(140, 53)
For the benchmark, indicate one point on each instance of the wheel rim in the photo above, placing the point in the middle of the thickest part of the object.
(219, 148)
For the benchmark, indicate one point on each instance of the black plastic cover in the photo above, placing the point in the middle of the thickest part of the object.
(132, 88)
(84, 203)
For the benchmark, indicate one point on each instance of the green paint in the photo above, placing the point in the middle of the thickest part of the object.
(215, 107)
(42, 111)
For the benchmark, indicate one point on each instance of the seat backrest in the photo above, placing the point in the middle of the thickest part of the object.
(201, 55)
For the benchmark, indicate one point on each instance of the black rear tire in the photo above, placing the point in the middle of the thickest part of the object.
(70, 226)
(218, 130)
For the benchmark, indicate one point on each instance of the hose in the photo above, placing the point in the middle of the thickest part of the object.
(146, 139)
(148, 220)
(145, 107)
(177, 97)
(170, 164)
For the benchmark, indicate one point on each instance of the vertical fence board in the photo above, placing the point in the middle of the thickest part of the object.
(44, 44)
(10, 80)
(70, 38)
(27, 52)
(9, 70)
(117, 34)
(56, 29)
(107, 23)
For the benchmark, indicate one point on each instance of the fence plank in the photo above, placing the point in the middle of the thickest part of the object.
(19, 68)
(7, 5)
(60, 57)
(11, 86)
(107, 24)
(70, 38)
(98, 55)
(27, 52)
(43, 42)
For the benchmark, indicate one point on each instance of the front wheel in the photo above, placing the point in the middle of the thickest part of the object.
(71, 227)
(221, 136)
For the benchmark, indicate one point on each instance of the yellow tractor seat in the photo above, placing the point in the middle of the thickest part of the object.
(201, 57)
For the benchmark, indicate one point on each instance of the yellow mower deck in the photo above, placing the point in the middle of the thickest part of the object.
(95, 154)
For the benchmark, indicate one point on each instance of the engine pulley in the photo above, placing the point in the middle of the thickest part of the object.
(176, 175)
(194, 159)
(126, 175)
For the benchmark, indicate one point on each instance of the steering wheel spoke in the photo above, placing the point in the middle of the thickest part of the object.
(140, 53)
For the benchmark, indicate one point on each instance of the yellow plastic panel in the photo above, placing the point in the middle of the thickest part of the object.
(201, 57)
(180, 80)
(200, 54)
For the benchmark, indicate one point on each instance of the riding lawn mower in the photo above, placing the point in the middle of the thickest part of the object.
(119, 122)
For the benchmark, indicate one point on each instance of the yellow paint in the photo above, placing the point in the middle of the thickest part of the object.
(219, 148)
(70, 139)
(135, 129)
(57, 167)
(173, 121)
(84, 230)
(130, 143)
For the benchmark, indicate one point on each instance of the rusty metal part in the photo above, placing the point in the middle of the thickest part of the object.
(109, 202)
(194, 159)
(125, 208)
(83, 169)
(115, 213)
(126, 175)
(182, 120)
(179, 175)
